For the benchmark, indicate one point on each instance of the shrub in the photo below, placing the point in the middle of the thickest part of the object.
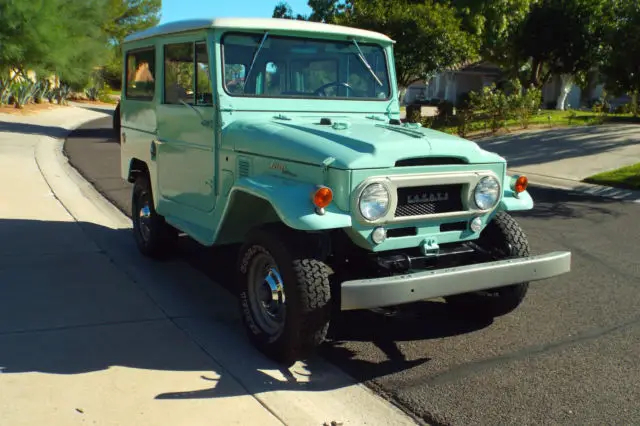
(414, 113)
(6, 91)
(23, 93)
(464, 120)
(522, 106)
(93, 93)
(41, 91)
(428, 121)
(62, 94)
(493, 104)
(445, 111)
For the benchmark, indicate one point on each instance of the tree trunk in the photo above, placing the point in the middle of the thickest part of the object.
(402, 91)
(566, 81)
(536, 69)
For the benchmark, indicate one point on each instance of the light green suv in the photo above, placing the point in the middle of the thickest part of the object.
(285, 137)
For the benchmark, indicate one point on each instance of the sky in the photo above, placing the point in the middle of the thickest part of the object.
(173, 10)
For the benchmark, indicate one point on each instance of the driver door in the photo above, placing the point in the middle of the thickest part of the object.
(186, 137)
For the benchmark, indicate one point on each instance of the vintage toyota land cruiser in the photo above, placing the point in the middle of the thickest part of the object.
(285, 137)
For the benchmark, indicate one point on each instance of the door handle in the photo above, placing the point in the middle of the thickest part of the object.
(153, 150)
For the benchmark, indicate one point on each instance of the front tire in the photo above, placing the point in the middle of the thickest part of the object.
(284, 294)
(154, 237)
(504, 239)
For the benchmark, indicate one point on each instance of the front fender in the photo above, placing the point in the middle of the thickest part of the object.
(292, 203)
(510, 202)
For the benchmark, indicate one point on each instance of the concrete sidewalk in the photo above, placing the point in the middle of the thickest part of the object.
(93, 333)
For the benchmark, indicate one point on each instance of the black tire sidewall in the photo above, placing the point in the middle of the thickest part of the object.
(161, 235)
(292, 342)
(503, 231)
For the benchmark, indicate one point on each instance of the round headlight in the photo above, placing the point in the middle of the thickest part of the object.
(374, 201)
(487, 193)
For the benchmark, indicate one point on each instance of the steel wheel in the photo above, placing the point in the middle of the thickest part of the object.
(144, 220)
(266, 295)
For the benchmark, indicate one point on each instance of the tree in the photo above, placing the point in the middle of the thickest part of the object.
(125, 17)
(495, 23)
(565, 38)
(622, 67)
(129, 16)
(283, 11)
(428, 34)
(63, 37)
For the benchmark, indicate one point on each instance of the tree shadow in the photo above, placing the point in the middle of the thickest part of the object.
(537, 147)
(33, 129)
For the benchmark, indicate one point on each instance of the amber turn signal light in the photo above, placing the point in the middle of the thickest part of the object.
(520, 184)
(322, 197)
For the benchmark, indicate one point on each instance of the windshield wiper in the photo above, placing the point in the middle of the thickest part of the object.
(253, 61)
(365, 63)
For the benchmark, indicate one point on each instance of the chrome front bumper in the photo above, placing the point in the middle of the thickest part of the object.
(407, 288)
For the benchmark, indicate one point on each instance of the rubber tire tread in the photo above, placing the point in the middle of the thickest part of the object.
(503, 229)
(308, 299)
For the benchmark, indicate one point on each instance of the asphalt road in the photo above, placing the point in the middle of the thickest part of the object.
(569, 355)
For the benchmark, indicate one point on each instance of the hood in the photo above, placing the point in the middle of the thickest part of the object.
(362, 144)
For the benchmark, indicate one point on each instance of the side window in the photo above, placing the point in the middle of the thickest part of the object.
(179, 73)
(141, 81)
(204, 92)
(234, 77)
(275, 79)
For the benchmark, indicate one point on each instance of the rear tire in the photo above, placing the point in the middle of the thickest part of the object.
(116, 123)
(154, 237)
(284, 294)
(504, 238)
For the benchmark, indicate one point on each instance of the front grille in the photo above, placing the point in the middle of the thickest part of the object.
(426, 200)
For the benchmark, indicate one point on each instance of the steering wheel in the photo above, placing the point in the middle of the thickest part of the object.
(320, 91)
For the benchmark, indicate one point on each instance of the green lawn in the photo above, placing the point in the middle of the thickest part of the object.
(550, 118)
(625, 177)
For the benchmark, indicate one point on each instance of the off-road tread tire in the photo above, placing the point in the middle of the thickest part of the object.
(307, 292)
(163, 236)
(505, 230)
(116, 123)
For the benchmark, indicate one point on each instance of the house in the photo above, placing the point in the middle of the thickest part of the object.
(450, 84)
(473, 76)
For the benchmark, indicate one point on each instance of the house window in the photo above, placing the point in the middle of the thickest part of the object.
(186, 74)
(141, 83)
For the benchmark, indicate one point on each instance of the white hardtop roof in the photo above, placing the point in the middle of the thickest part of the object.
(262, 24)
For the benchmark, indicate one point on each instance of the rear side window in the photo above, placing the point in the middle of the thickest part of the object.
(141, 74)
(186, 74)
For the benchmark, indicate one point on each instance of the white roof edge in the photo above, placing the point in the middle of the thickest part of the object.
(268, 24)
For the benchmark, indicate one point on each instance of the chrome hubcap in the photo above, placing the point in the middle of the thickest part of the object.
(144, 219)
(266, 294)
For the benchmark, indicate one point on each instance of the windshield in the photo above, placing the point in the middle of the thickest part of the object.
(300, 67)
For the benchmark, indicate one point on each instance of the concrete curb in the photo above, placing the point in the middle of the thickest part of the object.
(339, 398)
(78, 199)
(578, 187)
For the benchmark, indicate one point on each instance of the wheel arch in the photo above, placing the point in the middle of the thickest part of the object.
(137, 168)
(265, 200)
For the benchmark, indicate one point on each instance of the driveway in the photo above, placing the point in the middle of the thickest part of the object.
(569, 153)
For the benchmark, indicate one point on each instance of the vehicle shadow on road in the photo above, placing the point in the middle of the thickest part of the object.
(94, 303)
(556, 204)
